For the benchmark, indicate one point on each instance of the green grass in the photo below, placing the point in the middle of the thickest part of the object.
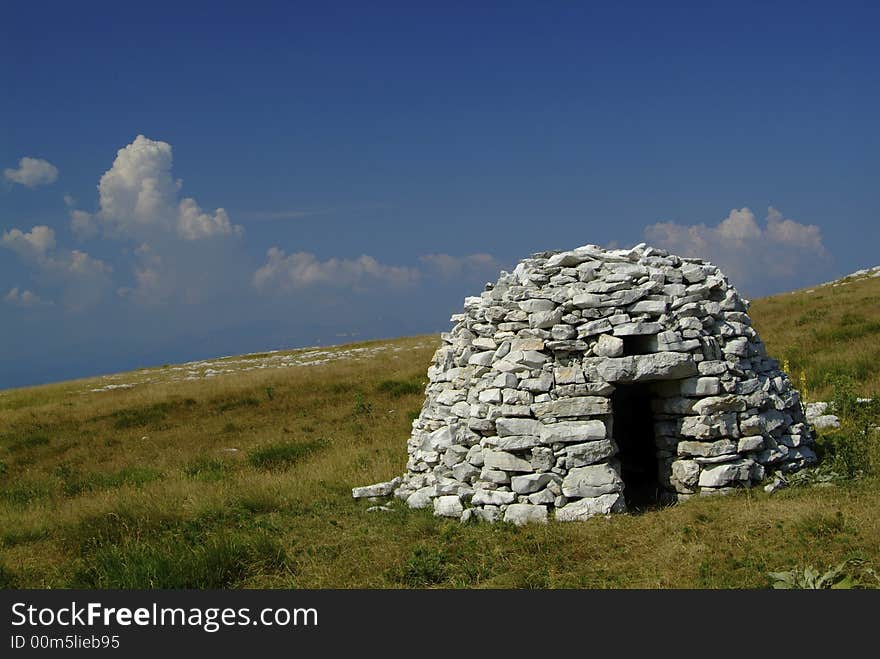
(23, 442)
(224, 560)
(831, 333)
(75, 481)
(207, 469)
(244, 480)
(400, 388)
(247, 401)
(147, 415)
(284, 454)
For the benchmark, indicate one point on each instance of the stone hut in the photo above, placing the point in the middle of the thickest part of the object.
(594, 381)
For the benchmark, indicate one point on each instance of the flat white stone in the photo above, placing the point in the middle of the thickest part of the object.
(537, 304)
(608, 346)
(572, 431)
(581, 455)
(504, 461)
(524, 513)
(568, 375)
(377, 490)
(726, 474)
(530, 482)
(422, 497)
(583, 509)
(591, 481)
(492, 497)
(686, 472)
(545, 319)
(713, 404)
(448, 506)
(517, 426)
(577, 406)
(644, 368)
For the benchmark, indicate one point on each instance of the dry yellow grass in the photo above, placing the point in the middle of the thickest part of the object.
(825, 334)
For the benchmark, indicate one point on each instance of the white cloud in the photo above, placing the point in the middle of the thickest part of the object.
(82, 278)
(25, 298)
(194, 224)
(150, 286)
(32, 172)
(79, 264)
(471, 266)
(33, 244)
(138, 197)
(84, 225)
(303, 270)
(750, 254)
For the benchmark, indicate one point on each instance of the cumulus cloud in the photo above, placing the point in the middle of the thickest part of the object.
(151, 286)
(33, 244)
(193, 223)
(83, 224)
(138, 197)
(746, 250)
(79, 264)
(25, 299)
(32, 172)
(82, 278)
(471, 266)
(303, 270)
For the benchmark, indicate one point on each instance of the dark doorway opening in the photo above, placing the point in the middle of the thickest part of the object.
(639, 344)
(634, 434)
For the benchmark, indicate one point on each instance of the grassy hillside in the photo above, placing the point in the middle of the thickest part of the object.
(237, 473)
(825, 333)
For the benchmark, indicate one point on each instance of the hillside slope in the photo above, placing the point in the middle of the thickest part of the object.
(237, 473)
(826, 332)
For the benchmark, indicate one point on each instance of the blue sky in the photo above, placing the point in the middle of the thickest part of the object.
(376, 163)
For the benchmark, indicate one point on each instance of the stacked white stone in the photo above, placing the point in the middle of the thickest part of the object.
(517, 419)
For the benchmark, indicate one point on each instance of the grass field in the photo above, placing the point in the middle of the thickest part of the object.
(243, 479)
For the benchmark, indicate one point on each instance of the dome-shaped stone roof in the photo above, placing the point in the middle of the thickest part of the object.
(593, 381)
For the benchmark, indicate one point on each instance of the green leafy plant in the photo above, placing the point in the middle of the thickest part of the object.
(361, 405)
(426, 566)
(816, 476)
(810, 578)
(8, 579)
(852, 573)
(853, 450)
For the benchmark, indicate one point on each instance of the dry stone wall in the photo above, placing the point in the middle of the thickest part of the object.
(519, 416)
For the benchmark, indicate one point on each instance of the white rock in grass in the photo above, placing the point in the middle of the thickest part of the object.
(377, 490)
(448, 506)
(523, 513)
(585, 508)
(738, 471)
(422, 497)
(492, 497)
